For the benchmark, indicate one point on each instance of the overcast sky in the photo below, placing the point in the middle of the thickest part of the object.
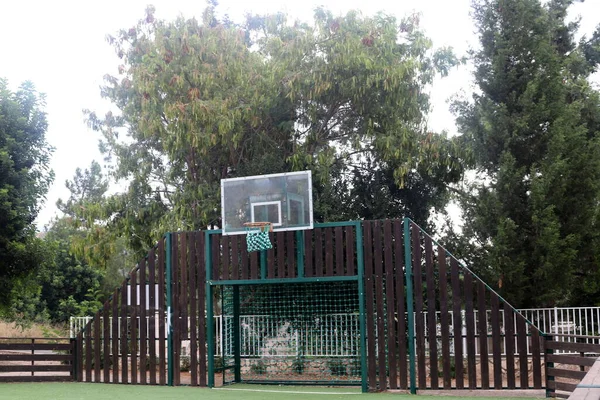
(60, 46)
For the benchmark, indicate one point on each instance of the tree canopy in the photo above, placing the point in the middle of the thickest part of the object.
(532, 220)
(344, 96)
(24, 180)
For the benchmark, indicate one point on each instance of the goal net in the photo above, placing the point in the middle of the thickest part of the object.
(289, 333)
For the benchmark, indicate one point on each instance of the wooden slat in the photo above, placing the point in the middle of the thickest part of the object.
(201, 269)
(124, 344)
(470, 322)
(134, 304)
(36, 357)
(183, 276)
(106, 341)
(254, 273)
(216, 255)
(225, 260)
(35, 346)
(566, 373)
(496, 341)
(153, 310)
(400, 304)
(329, 252)
(245, 259)
(143, 322)
(390, 303)
(483, 335)
(418, 293)
(350, 245)
(522, 350)
(35, 368)
(509, 343)
(457, 323)
(88, 352)
(379, 296)
(271, 258)
(570, 359)
(444, 322)
(318, 252)
(338, 269)
(97, 346)
(536, 358)
(431, 314)
(370, 307)
(291, 254)
(280, 254)
(193, 307)
(571, 346)
(79, 357)
(309, 269)
(161, 313)
(177, 268)
(235, 257)
(115, 336)
(37, 378)
(567, 387)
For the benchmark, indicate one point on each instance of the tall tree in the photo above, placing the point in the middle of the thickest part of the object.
(24, 180)
(202, 101)
(531, 221)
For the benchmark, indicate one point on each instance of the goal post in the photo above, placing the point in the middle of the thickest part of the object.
(305, 331)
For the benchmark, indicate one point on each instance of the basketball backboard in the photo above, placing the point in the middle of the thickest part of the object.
(284, 199)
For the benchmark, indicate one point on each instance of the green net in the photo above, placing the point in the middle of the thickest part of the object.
(258, 239)
(308, 332)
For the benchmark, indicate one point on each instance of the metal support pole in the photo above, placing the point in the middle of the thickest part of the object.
(361, 308)
(210, 321)
(263, 264)
(409, 306)
(169, 273)
(236, 335)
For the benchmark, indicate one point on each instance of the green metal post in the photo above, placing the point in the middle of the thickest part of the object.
(237, 359)
(361, 308)
(263, 264)
(300, 252)
(409, 306)
(210, 321)
(170, 349)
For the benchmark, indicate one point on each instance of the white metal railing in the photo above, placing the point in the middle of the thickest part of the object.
(338, 334)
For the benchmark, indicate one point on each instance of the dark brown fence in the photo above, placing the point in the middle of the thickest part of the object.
(466, 335)
(461, 334)
(568, 358)
(36, 360)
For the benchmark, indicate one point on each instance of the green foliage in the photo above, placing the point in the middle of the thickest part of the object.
(531, 219)
(337, 367)
(259, 367)
(200, 101)
(299, 364)
(24, 181)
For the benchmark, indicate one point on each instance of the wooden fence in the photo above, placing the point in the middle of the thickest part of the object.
(405, 273)
(36, 360)
(564, 371)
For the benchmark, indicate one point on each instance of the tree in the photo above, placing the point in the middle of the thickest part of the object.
(202, 101)
(531, 222)
(24, 180)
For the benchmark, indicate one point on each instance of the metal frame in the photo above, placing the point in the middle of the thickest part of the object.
(267, 203)
(359, 278)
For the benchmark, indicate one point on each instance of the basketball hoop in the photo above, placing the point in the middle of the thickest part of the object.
(257, 236)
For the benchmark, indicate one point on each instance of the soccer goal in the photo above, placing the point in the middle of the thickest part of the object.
(289, 333)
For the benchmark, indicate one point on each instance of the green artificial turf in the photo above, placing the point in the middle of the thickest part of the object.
(91, 391)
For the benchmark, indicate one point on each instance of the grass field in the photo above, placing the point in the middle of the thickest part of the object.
(89, 391)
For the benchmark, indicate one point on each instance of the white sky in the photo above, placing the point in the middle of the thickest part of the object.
(60, 46)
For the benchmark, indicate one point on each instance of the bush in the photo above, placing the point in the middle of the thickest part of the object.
(299, 365)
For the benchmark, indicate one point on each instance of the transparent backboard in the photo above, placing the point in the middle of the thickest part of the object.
(285, 200)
